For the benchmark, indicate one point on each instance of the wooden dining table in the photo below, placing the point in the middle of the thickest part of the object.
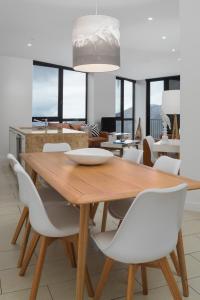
(86, 186)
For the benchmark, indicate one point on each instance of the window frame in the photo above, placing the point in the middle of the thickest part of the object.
(60, 118)
(122, 118)
(166, 80)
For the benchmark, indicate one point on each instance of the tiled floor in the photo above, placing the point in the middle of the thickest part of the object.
(58, 279)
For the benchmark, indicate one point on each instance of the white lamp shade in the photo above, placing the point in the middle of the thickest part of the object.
(96, 44)
(171, 102)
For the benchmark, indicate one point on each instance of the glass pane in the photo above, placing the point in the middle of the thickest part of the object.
(174, 84)
(45, 92)
(128, 99)
(74, 95)
(118, 126)
(128, 126)
(117, 97)
(156, 91)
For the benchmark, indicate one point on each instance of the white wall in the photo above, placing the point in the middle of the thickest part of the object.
(101, 99)
(190, 95)
(101, 96)
(15, 96)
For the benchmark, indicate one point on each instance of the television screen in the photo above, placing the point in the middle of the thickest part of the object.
(108, 124)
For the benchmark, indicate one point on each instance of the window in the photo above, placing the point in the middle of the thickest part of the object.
(74, 91)
(59, 93)
(45, 91)
(155, 88)
(124, 105)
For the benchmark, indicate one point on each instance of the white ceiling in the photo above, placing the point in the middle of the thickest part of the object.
(48, 24)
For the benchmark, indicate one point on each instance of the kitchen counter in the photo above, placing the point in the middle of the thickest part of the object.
(32, 139)
(42, 130)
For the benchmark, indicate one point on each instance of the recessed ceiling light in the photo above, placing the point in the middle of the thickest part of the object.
(173, 50)
(164, 37)
(29, 45)
(179, 59)
(150, 18)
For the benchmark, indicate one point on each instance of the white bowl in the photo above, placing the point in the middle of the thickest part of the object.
(89, 156)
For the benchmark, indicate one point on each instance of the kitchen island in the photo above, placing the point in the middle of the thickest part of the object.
(32, 139)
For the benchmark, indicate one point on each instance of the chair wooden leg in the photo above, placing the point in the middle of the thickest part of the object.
(182, 264)
(175, 261)
(21, 222)
(104, 218)
(94, 210)
(144, 280)
(29, 254)
(89, 285)
(39, 266)
(24, 244)
(103, 278)
(132, 269)
(164, 265)
(69, 247)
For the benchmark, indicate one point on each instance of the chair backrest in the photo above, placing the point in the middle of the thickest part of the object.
(148, 158)
(56, 147)
(133, 155)
(12, 160)
(29, 195)
(150, 228)
(168, 164)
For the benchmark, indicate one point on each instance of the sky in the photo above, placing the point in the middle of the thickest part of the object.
(157, 88)
(45, 93)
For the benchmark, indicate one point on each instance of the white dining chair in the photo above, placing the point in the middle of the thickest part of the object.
(53, 147)
(118, 209)
(24, 215)
(145, 237)
(48, 194)
(133, 155)
(168, 165)
(49, 222)
(56, 147)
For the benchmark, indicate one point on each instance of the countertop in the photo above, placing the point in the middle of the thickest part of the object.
(40, 131)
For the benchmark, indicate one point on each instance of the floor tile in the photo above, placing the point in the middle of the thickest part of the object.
(195, 284)
(193, 266)
(8, 225)
(58, 271)
(11, 281)
(155, 278)
(9, 209)
(191, 244)
(163, 293)
(43, 294)
(8, 259)
(191, 215)
(115, 287)
(191, 227)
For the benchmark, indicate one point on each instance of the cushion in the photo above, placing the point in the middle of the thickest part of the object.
(76, 126)
(94, 130)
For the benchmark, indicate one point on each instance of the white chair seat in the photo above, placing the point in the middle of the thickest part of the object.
(118, 209)
(64, 220)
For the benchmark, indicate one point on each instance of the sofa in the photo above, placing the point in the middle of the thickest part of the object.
(93, 141)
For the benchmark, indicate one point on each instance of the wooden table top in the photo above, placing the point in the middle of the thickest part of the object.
(118, 179)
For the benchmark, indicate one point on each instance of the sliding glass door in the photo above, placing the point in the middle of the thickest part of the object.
(155, 88)
(125, 105)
